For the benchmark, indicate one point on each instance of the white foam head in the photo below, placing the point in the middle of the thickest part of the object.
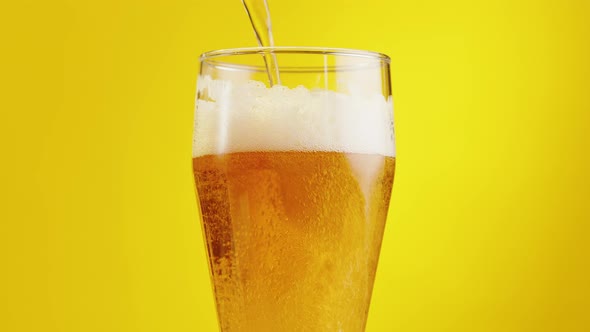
(241, 117)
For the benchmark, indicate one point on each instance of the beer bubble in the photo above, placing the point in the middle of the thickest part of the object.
(248, 116)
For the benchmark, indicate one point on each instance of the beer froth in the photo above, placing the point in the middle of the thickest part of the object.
(240, 117)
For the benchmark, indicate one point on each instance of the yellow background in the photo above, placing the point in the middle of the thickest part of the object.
(489, 225)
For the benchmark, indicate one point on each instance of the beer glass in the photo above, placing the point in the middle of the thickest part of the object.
(293, 182)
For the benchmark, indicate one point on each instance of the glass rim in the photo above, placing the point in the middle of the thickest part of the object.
(295, 50)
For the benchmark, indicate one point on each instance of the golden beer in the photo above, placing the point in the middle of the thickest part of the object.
(294, 181)
(293, 237)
